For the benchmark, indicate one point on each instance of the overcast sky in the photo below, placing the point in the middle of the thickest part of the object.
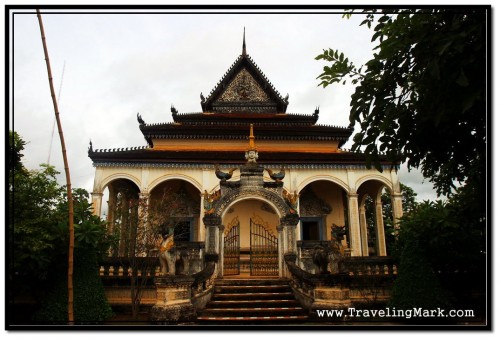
(108, 67)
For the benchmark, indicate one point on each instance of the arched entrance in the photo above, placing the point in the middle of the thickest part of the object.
(281, 222)
(122, 216)
(250, 239)
(371, 217)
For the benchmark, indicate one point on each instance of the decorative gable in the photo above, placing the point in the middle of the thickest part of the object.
(243, 88)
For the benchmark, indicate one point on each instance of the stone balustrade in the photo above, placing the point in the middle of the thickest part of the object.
(379, 266)
(361, 280)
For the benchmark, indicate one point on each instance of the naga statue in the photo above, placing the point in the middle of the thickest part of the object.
(278, 177)
(167, 254)
(336, 253)
(223, 176)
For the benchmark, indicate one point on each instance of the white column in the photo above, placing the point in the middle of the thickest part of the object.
(298, 230)
(144, 179)
(397, 208)
(364, 231)
(281, 262)
(96, 203)
(221, 251)
(380, 232)
(201, 227)
(205, 180)
(354, 229)
(145, 235)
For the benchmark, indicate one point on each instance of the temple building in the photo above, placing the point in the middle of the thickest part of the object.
(251, 182)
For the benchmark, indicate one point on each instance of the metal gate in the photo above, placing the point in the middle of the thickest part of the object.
(263, 250)
(232, 248)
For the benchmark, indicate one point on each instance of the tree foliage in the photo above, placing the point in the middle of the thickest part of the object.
(38, 230)
(453, 238)
(34, 195)
(90, 304)
(16, 146)
(417, 286)
(441, 246)
(38, 223)
(421, 99)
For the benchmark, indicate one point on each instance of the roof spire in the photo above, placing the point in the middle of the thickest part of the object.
(252, 139)
(244, 51)
(251, 154)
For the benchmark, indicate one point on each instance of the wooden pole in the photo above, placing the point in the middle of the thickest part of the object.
(68, 178)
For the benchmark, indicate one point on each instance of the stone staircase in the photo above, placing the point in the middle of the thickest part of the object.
(252, 301)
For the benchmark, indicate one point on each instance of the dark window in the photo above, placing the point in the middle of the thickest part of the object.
(312, 229)
(183, 231)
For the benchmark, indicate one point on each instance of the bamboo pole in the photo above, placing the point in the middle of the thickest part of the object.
(68, 178)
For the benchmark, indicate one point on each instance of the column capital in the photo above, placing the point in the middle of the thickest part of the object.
(290, 220)
(211, 220)
(352, 195)
(97, 194)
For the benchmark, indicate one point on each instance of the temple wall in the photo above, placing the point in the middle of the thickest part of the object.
(331, 186)
(204, 178)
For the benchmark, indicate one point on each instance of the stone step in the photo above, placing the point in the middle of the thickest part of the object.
(253, 320)
(253, 295)
(252, 311)
(253, 303)
(251, 282)
(227, 289)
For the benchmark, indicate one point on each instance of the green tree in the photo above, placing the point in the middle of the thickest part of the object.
(421, 99)
(417, 286)
(91, 243)
(16, 146)
(451, 251)
(38, 232)
(34, 195)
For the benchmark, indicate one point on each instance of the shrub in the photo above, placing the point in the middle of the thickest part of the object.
(90, 303)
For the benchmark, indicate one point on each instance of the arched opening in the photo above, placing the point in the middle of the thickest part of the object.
(322, 204)
(175, 204)
(374, 202)
(122, 216)
(250, 238)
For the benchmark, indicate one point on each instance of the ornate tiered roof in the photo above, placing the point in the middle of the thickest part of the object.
(233, 130)
(242, 97)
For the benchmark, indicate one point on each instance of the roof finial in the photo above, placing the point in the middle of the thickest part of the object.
(251, 154)
(252, 139)
(244, 51)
